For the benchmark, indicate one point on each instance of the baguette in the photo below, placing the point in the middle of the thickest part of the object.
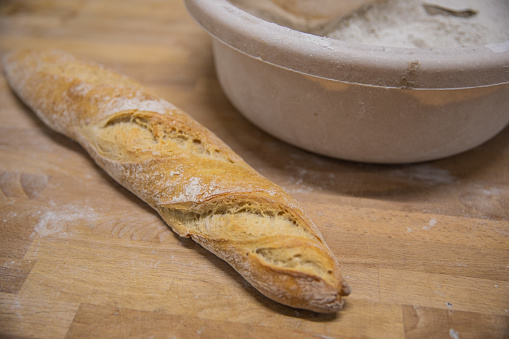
(199, 186)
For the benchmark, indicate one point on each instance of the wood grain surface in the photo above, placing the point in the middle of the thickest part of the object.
(425, 247)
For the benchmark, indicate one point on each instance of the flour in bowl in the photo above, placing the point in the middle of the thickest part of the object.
(426, 24)
(392, 23)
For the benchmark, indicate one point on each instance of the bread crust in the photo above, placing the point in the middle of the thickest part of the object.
(199, 186)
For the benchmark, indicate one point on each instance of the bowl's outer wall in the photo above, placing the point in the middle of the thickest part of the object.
(353, 101)
(359, 122)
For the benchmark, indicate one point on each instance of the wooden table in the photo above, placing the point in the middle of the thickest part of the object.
(424, 247)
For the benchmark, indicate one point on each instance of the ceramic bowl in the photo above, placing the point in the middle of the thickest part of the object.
(354, 101)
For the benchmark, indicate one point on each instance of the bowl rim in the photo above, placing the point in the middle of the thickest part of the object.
(350, 62)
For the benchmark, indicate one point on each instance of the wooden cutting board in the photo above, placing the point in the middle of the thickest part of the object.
(425, 247)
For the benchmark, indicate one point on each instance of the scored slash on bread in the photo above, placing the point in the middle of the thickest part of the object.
(199, 186)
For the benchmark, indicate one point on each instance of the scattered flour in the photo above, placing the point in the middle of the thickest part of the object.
(425, 174)
(190, 192)
(178, 171)
(492, 191)
(454, 334)
(431, 223)
(139, 104)
(193, 189)
(59, 221)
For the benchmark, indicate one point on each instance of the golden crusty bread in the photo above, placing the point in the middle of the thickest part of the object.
(199, 186)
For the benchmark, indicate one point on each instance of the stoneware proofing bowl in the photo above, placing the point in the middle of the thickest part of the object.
(354, 101)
